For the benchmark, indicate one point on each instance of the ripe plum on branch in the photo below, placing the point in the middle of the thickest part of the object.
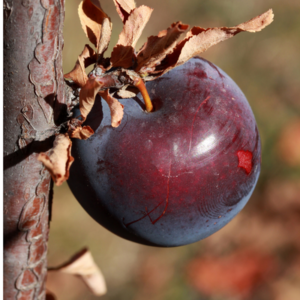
(175, 175)
(170, 153)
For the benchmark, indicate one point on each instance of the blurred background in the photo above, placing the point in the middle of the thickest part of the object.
(257, 255)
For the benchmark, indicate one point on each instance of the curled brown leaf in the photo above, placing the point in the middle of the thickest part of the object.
(105, 36)
(116, 108)
(122, 56)
(124, 7)
(134, 26)
(200, 39)
(205, 38)
(123, 52)
(86, 58)
(157, 47)
(82, 133)
(58, 160)
(96, 24)
(258, 23)
(87, 96)
(83, 265)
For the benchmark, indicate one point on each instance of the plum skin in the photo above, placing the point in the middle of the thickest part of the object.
(176, 175)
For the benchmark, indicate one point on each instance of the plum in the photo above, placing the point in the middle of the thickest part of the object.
(178, 174)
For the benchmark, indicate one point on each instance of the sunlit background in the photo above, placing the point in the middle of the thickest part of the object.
(257, 255)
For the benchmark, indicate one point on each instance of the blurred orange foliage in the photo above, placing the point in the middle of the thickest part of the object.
(235, 274)
(289, 143)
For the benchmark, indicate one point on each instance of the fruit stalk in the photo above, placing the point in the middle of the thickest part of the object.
(120, 78)
(139, 83)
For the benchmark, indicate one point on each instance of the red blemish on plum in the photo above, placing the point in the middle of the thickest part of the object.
(245, 160)
(165, 209)
(201, 104)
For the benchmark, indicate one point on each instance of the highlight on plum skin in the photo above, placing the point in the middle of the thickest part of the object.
(178, 174)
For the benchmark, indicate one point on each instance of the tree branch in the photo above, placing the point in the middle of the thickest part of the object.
(33, 100)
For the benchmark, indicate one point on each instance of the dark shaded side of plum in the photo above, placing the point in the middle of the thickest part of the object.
(178, 174)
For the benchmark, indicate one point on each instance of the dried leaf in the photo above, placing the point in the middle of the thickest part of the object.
(83, 265)
(87, 96)
(211, 36)
(82, 133)
(134, 26)
(124, 8)
(200, 39)
(97, 3)
(86, 58)
(126, 94)
(96, 24)
(157, 47)
(122, 56)
(167, 64)
(116, 108)
(257, 23)
(105, 36)
(123, 52)
(58, 161)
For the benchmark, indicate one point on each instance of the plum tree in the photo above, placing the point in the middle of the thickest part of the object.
(175, 175)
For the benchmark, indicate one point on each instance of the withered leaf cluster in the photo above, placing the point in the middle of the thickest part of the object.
(158, 55)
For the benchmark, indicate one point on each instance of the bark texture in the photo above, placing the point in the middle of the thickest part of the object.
(33, 100)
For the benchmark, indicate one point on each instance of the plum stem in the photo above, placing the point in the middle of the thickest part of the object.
(139, 83)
